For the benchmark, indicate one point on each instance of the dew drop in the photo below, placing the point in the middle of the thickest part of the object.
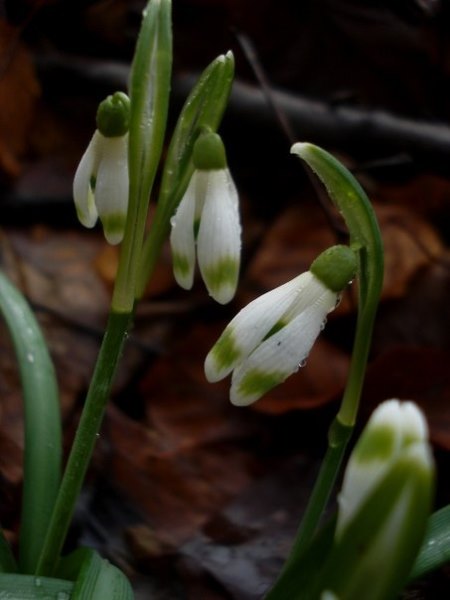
(302, 363)
(37, 582)
(30, 357)
(338, 300)
(322, 326)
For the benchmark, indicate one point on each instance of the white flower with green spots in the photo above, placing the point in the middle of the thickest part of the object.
(272, 336)
(207, 223)
(395, 429)
(384, 506)
(100, 186)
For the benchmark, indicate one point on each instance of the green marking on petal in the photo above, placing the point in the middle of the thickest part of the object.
(196, 228)
(181, 264)
(278, 325)
(378, 444)
(114, 226)
(223, 273)
(256, 383)
(225, 352)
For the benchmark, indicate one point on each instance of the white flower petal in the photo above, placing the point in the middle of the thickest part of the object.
(82, 191)
(314, 293)
(414, 425)
(182, 237)
(250, 326)
(377, 447)
(219, 236)
(277, 357)
(111, 189)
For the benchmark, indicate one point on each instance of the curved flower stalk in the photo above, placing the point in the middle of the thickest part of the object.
(207, 223)
(100, 186)
(271, 337)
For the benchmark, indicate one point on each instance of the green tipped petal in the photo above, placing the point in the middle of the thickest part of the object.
(223, 356)
(113, 227)
(253, 385)
(221, 279)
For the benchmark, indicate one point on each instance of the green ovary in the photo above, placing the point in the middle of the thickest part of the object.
(181, 264)
(222, 274)
(225, 352)
(256, 383)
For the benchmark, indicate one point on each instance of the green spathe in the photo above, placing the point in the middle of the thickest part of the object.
(335, 267)
(113, 115)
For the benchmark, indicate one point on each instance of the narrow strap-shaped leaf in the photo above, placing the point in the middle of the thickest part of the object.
(42, 461)
(28, 587)
(95, 578)
(365, 237)
(301, 576)
(203, 108)
(435, 550)
(7, 561)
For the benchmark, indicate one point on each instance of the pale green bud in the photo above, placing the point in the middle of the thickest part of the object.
(113, 115)
(335, 267)
(209, 152)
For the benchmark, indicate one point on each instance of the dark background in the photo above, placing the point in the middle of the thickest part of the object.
(191, 497)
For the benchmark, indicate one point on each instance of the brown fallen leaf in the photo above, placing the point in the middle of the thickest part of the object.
(19, 93)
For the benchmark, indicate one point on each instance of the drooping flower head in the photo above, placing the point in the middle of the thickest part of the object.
(271, 337)
(207, 223)
(100, 186)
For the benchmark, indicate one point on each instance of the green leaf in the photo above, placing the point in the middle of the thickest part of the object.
(302, 574)
(28, 587)
(203, 109)
(95, 578)
(149, 101)
(42, 461)
(352, 202)
(365, 239)
(435, 550)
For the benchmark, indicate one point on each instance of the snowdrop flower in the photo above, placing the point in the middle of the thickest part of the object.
(207, 221)
(394, 429)
(100, 186)
(384, 506)
(271, 337)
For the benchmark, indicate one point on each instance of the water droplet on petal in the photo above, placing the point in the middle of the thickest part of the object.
(322, 326)
(303, 363)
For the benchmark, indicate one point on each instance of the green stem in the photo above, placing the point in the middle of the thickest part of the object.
(351, 200)
(84, 441)
(338, 438)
